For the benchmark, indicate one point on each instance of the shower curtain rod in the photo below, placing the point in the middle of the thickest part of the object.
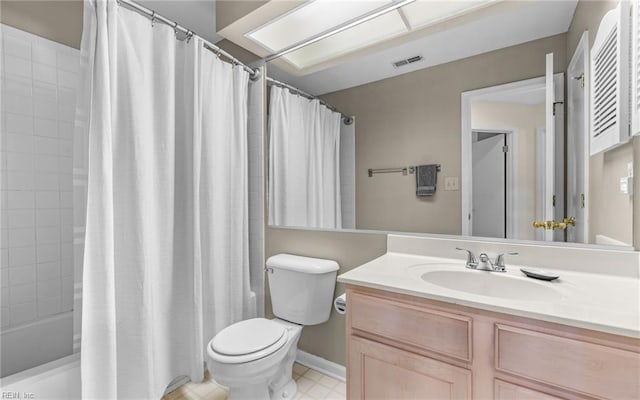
(254, 73)
(348, 120)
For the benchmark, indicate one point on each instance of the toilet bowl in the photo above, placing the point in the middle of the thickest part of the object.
(254, 358)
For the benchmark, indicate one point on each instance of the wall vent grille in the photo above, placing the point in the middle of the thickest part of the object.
(407, 61)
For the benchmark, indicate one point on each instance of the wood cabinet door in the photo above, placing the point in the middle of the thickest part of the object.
(510, 391)
(378, 371)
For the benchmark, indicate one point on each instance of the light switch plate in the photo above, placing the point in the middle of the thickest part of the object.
(451, 183)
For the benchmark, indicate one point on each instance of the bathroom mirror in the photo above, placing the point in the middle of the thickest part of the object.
(413, 93)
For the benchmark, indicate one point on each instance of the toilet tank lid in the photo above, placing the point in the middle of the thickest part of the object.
(307, 265)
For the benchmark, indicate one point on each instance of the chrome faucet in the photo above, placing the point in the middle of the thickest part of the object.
(471, 258)
(485, 263)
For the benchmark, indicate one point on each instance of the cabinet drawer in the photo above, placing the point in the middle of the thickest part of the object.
(579, 366)
(436, 331)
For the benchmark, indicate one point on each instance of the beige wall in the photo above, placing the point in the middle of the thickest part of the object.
(610, 212)
(349, 250)
(524, 119)
(229, 11)
(415, 119)
(60, 21)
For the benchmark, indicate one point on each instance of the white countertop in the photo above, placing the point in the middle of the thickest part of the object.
(592, 301)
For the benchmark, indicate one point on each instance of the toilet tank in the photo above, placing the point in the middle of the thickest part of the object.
(301, 288)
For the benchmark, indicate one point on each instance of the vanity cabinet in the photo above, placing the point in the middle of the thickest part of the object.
(406, 347)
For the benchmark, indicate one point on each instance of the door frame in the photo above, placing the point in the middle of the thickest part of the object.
(582, 49)
(466, 154)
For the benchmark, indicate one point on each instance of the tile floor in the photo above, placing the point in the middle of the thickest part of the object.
(312, 385)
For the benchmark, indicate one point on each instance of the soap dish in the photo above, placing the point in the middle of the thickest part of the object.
(539, 274)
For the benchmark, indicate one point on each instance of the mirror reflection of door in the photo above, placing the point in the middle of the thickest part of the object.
(489, 212)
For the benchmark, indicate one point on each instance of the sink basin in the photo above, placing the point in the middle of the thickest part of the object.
(493, 284)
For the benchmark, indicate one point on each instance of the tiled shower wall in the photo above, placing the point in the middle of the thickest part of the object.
(38, 80)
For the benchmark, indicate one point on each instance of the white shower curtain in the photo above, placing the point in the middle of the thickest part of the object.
(166, 259)
(304, 162)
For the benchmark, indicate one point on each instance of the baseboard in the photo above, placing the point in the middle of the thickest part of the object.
(322, 365)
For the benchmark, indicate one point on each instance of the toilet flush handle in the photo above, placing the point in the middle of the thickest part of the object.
(268, 269)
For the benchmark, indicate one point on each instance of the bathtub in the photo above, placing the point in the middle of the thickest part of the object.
(56, 380)
(36, 343)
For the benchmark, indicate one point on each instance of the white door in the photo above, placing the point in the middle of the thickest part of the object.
(546, 194)
(489, 178)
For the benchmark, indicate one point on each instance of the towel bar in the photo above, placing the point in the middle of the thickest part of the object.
(403, 170)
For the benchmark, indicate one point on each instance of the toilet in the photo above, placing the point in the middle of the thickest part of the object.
(254, 358)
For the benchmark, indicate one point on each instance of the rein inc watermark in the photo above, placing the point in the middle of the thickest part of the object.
(17, 395)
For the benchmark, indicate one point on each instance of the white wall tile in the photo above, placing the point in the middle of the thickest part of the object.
(68, 62)
(4, 258)
(66, 215)
(67, 293)
(43, 54)
(65, 130)
(19, 143)
(16, 46)
(49, 306)
(37, 129)
(66, 112)
(47, 199)
(45, 108)
(22, 313)
(44, 73)
(4, 280)
(45, 127)
(66, 269)
(48, 217)
(21, 293)
(4, 312)
(19, 162)
(67, 96)
(20, 218)
(19, 124)
(65, 182)
(16, 66)
(48, 289)
(21, 237)
(45, 145)
(66, 232)
(18, 86)
(45, 181)
(19, 256)
(20, 105)
(66, 150)
(18, 180)
(48, 271)
(47, 253)
(67, 79)
(46, 163)
(20, 200)
(22, 275)
(66, 199)
(48, 235)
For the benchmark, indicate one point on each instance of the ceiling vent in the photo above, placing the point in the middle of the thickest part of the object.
(407, 61)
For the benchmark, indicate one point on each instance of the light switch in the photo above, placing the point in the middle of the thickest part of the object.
(451, 183)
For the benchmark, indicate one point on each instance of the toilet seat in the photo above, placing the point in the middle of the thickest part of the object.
(247, 341)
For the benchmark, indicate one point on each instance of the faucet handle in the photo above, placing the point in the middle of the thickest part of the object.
(499, 264)
(471, 258)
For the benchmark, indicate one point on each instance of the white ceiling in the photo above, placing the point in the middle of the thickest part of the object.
(534, 20)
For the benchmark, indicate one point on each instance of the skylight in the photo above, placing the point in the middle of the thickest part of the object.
(316, 17)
